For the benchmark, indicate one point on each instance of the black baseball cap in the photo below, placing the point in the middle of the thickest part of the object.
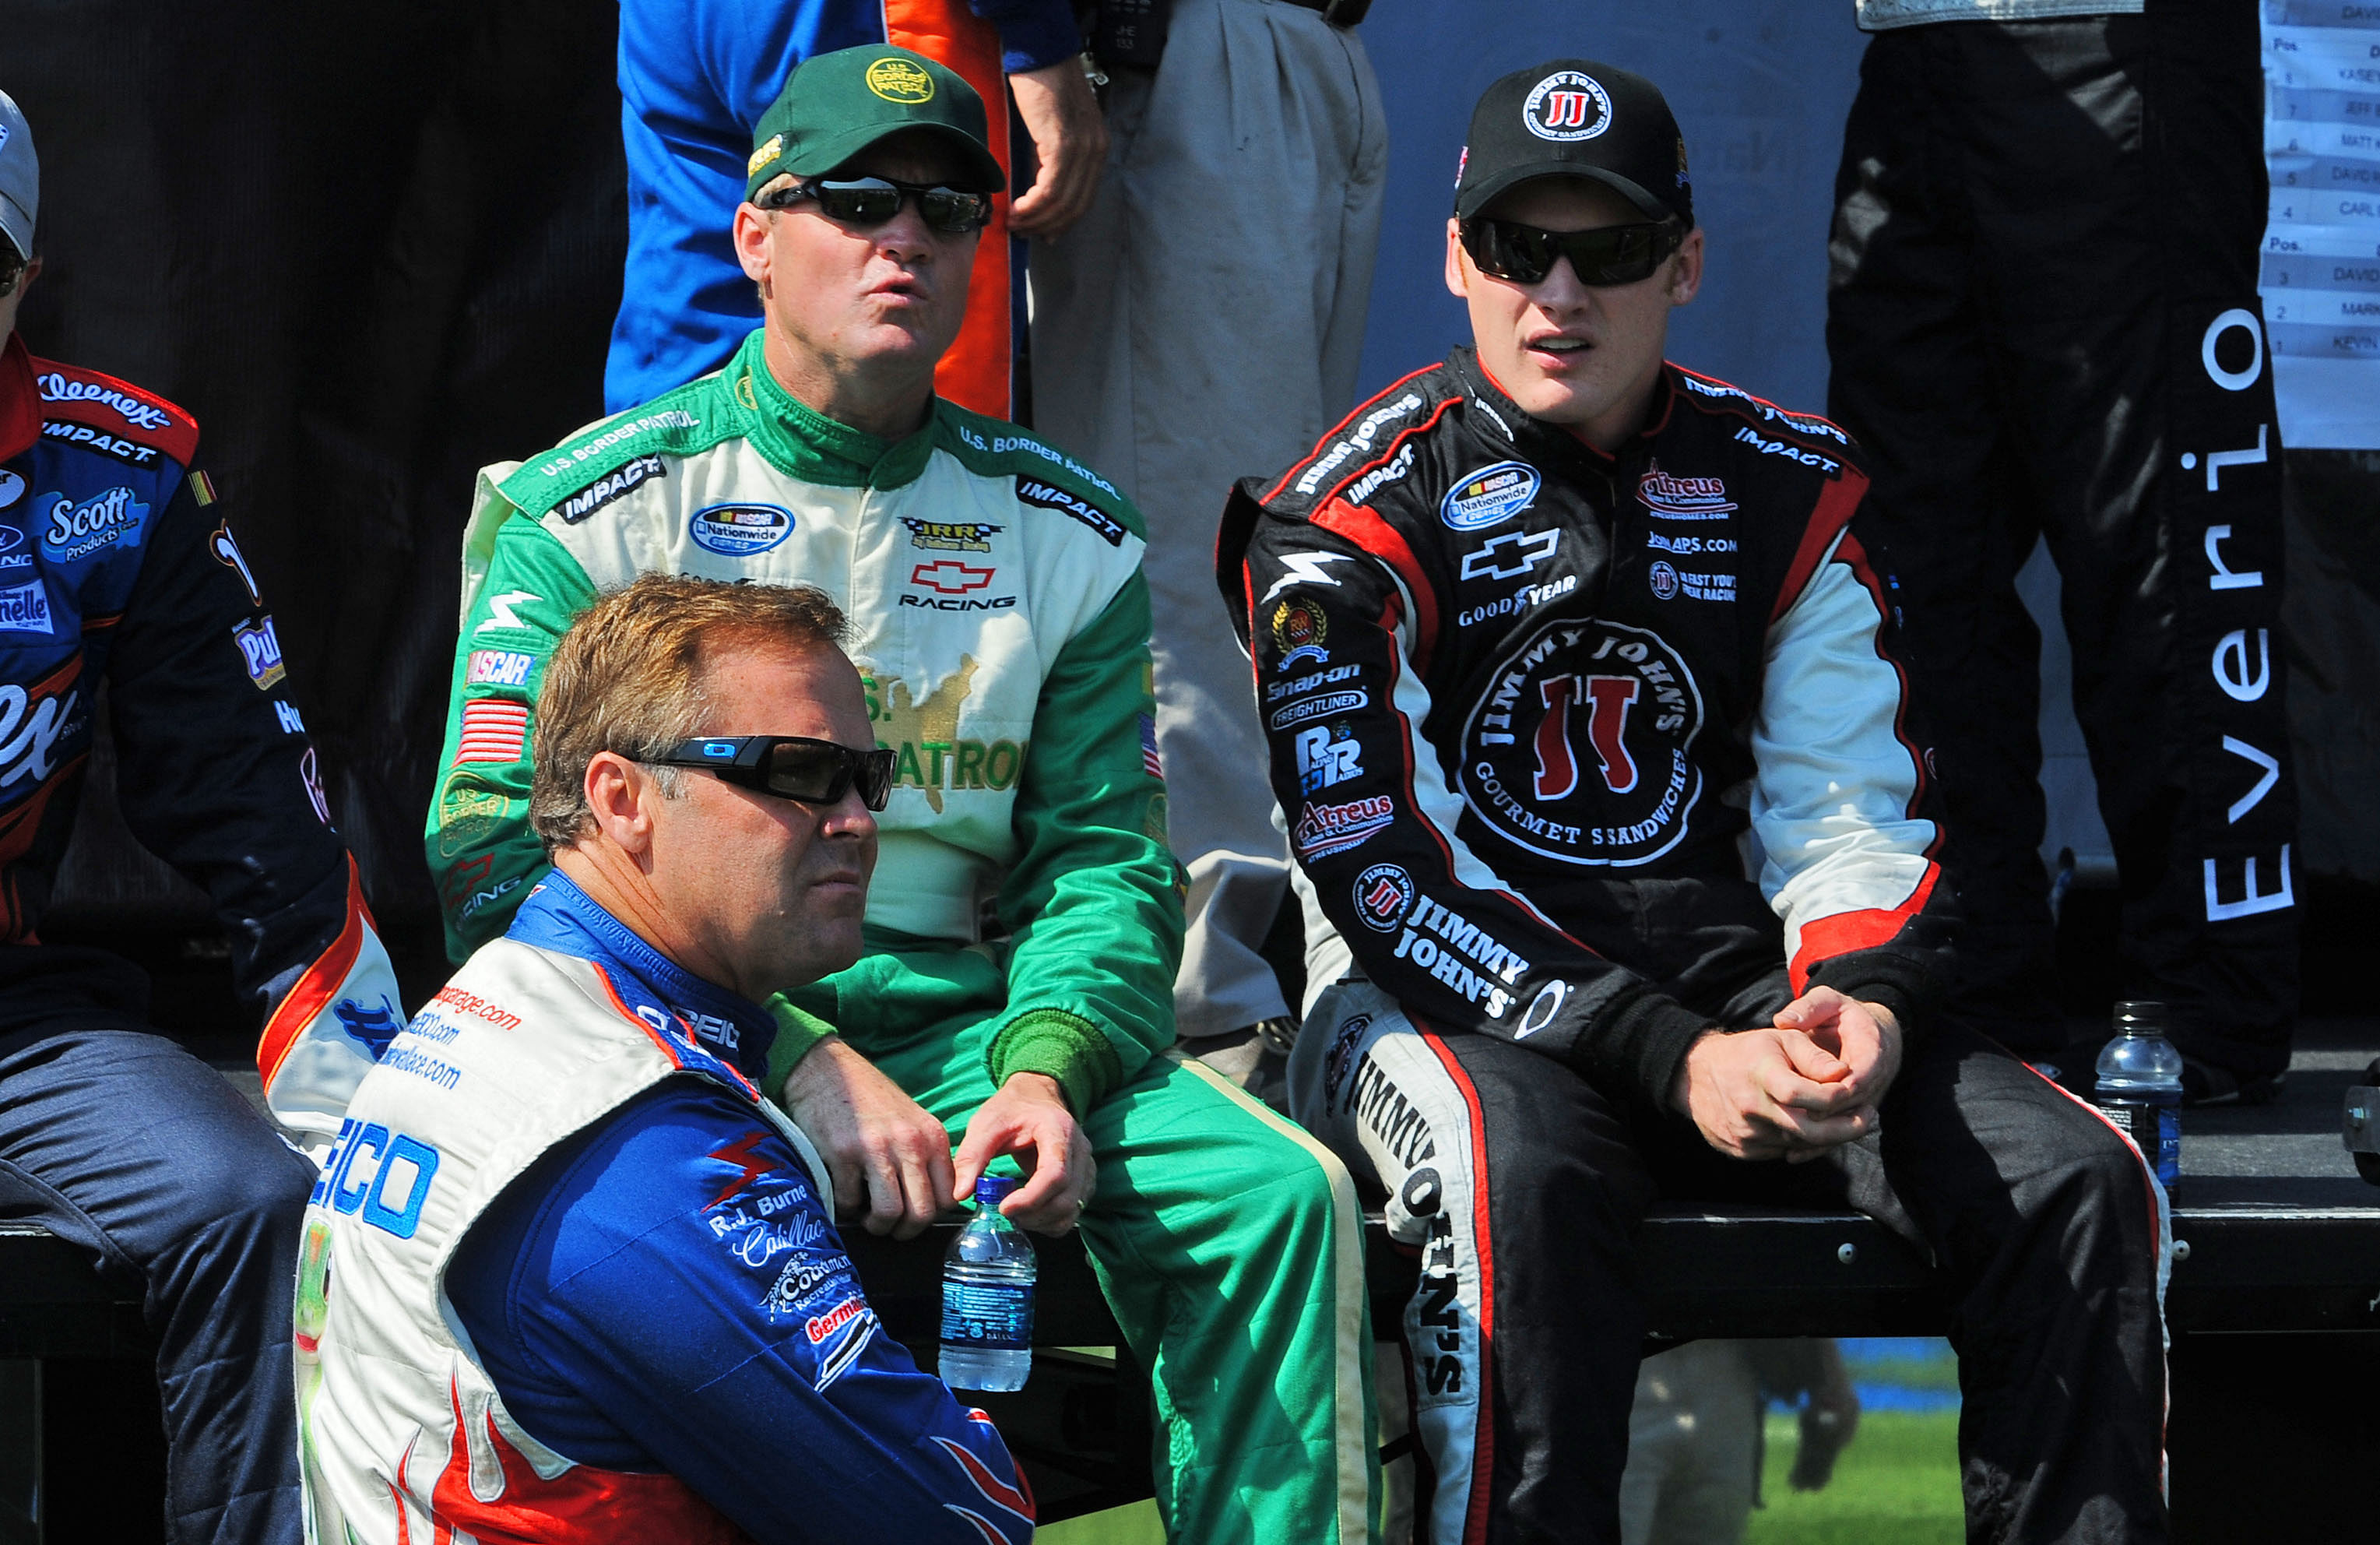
(835, 105)
(1576, 118)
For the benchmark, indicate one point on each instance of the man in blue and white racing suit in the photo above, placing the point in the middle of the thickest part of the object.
(569, 1276)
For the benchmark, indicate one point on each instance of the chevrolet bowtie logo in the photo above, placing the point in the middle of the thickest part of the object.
(951, 577)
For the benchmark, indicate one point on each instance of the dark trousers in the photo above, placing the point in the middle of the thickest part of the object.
(2043, 322)
(1522, 1184)
(125, 1144)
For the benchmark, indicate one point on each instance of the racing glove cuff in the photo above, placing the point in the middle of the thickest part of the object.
(1067, 1047)
(1642, 1042)
(798, 1033)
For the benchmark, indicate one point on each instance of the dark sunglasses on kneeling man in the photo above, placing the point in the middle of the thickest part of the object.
(1612, 255)
(863, 203)
(789, 766)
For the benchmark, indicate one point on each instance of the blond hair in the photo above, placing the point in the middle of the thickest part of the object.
(628, 677)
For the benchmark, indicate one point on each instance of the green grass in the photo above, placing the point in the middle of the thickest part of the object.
(1897, 1484)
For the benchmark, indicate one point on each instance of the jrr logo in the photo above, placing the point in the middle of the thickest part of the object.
(385, 1175)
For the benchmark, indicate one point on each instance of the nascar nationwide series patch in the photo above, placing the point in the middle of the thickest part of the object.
(1580, 749)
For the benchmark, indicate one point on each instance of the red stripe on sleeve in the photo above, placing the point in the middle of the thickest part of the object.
(1828, 519)
(1383, 541)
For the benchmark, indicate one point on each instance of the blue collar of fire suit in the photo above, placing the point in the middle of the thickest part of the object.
(560, 916)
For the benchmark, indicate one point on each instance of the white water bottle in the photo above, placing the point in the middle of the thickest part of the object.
(2140, 1087)
(988, 1298)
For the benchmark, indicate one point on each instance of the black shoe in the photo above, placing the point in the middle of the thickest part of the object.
(2205, 1083)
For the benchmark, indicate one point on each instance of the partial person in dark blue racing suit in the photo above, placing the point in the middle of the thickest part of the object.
(118, 571)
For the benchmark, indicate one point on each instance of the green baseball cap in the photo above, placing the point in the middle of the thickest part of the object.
(835, 105)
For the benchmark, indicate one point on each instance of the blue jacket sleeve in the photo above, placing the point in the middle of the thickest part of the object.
(663, 1292)
(1032, 32)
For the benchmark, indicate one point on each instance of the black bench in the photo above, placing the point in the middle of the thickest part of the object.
(2275, 1308)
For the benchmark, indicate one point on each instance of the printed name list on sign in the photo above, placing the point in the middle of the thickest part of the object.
(2321, 271)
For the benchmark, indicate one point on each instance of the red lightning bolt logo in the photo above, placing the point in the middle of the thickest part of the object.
(740, 1154)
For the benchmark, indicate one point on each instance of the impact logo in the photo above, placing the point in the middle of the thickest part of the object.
(1568, 105)
(1580, 750)
(1384, 894)
(1033, 491)
(76, 530)
(739, 530)
(1684, 498)
(611, 486)
(1490, 496)
(372, 1029)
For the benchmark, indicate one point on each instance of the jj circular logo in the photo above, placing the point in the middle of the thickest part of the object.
(1384, 894)
(1568, 105)
(1580, 749)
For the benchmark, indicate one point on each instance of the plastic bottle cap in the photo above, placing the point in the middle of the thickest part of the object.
(2142, 1017)
(990, 1190)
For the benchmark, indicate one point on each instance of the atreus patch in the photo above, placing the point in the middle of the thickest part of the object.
(605, 489)
(1033, 491)
(1581, 748)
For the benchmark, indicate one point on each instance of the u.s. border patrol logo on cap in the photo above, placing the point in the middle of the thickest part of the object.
(899, 80)
(1568, 105)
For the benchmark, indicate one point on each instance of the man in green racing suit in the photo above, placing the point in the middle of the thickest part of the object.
(1025, 921)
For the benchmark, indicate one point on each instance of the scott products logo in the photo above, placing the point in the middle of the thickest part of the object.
(1490, 496)
(1580, 751)
(76, 530)
(1568, 105)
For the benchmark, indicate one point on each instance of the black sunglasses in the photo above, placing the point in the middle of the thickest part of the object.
(789, 766)
(867, 202)
(1614, 255)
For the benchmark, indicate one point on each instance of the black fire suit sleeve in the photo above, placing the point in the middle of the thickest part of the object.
(1372, 813)
(216, 776)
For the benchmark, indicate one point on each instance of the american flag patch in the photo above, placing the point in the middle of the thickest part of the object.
(1149, 761)
(493, 730)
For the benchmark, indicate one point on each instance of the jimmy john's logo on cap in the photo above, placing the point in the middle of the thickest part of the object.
(768, 150)
(899, 80)
(1568, 105)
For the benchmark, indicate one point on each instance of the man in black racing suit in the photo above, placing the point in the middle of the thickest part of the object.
(1583, 712)
(118, 571)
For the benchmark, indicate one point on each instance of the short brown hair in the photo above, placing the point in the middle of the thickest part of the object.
(628, 677)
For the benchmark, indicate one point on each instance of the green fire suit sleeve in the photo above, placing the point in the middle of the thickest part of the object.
(482, 853)
(1094, 901)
